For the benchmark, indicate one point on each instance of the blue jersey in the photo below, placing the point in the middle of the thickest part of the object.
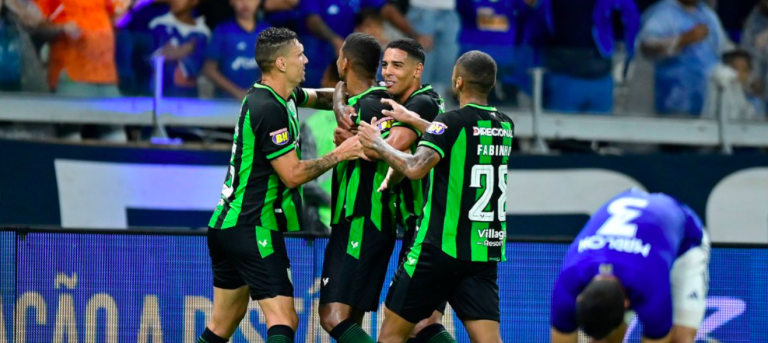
(233, 49)
(180, 77)
(638, 236)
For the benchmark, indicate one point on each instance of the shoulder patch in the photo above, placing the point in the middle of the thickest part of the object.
(385, 124)
(437, 128)
(280, 137)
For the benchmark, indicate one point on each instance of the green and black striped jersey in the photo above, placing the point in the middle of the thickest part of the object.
(253, 194)
(410, 194)
(355, 183)
(465, 210)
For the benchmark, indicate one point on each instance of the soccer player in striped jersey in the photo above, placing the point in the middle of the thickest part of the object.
(260, 199)
(401, 68)
(362, 220)
(461, 233)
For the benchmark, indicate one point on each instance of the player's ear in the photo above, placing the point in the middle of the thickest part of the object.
(419, 70)
(280, 64)
(459, 83)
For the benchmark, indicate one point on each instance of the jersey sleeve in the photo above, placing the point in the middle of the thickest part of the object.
(441, 134)
(563, 307)
(426, 109)
(270, 129)
(654, 307)
(301, 96)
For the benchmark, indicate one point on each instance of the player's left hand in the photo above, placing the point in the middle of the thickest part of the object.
(340, 135)
(369, 134)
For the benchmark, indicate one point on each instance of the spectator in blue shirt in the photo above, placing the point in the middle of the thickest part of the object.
(181, 40)
(496, 28)
(229, 59)
(282, 13)
(577, 37)
(686, 39)
(328, 22)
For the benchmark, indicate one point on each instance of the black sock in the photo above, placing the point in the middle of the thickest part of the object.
(209, 337)
(280, 334)
(349, 331)
(434, 333)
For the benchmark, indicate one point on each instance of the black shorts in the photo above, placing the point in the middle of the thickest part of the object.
(409, 234)
(429, 277)
(250, 256)
(355, 264)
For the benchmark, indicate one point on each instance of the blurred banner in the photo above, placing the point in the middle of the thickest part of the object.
(120, 187)
(90, 287)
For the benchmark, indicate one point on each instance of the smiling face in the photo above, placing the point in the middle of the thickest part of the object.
(400, 73)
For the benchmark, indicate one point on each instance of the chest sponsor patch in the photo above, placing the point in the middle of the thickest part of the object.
(437, 128)
(280, 137)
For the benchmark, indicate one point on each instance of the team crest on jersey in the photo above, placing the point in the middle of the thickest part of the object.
(385, 124)
(437, 128)
(280, 137)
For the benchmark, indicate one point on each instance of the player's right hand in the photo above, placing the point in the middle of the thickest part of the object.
(351, 149)
(398, 112)
(343, 112)
(369, 133)
(340, 135)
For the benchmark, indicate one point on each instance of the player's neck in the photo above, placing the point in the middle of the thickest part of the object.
(407, 94)
(357, 84)
(465, 99)
(280, 85)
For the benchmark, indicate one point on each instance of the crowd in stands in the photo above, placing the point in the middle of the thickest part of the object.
(106, 48)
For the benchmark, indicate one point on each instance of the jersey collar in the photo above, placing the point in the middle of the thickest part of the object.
(484, 108)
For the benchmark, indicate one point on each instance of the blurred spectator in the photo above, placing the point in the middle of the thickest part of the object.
(181, 39)
(496, 28)
(82, 54)
(135, 45)
(730, 90)
(20, 66)
(578, 40)
(230, 62)
(686, 39)
(438, 25)
(371, 22)
(328, 22)
(282, 13)
(317, 140)
(755, 40)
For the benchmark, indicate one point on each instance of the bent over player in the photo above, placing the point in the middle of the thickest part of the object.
(461, 233)
(640, 252)
(260, 199)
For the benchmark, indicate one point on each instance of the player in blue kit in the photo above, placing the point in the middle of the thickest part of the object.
(640, 252)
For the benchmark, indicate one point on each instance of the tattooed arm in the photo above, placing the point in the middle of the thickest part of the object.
(414, 167)
(321, 98)
(294, 172)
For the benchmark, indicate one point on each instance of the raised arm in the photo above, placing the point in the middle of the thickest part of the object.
(403, 115)
(294, 172)
(414, 167)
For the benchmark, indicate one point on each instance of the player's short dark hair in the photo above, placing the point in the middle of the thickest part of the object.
(270, 45)
(478, 70)
(363, 53)
(731, 56)
(410, 46)
(600, 309)
(369, 13)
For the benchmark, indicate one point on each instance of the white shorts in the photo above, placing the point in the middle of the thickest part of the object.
(690, 283)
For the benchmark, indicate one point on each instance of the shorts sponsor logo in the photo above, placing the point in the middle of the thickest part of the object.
(280, 137)
(437, 128)
(411, 261)
(491, 131)
(325, 281)
(355, 245)
(628, 245)
(263, 243)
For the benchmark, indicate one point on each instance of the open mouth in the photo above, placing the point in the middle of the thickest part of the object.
(389, 84)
